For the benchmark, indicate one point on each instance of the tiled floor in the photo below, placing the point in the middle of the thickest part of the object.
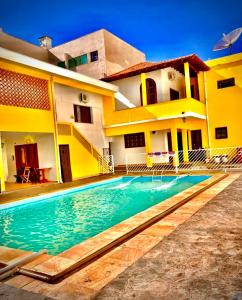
(88, 281)
(200, 260)
(21, 191)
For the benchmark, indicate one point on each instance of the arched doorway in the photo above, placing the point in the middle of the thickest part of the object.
(151, 92)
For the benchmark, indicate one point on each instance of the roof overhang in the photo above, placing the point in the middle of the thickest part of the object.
(185, 115)
(195, 64)
(54, 70)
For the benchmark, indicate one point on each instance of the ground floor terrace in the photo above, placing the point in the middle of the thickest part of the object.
(187, 254)
(170, 145)
(27, 159)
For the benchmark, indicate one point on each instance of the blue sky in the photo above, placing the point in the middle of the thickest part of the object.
(161, 29)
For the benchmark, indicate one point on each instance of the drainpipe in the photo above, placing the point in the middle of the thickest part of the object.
(206, 102)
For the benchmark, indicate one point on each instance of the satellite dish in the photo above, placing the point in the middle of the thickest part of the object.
(228, 40)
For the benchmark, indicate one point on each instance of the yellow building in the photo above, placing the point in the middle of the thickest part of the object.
(223, 84)
(61, 123)
(181, 105)
(44, 111)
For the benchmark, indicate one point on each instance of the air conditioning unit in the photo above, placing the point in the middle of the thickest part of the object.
(171, 75)
(83, 98)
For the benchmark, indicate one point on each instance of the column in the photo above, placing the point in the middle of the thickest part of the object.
(187, 80)
(2, 179)
(189, 139)
(204, 138)
(185, 145)
(148, 148)
(143, 88)
(174, 146)
(55, 133)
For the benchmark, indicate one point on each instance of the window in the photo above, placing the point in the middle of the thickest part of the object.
(94, 56)
(221, 133)
(72, 63)
(81, 60)
(82, 114)
(134, 140)
(174, 95)
(225, 83)
(61, 64)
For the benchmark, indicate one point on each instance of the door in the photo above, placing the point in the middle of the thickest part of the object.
(151, 92)
(65, 163)
(26, 155)
(199, 154)
(180, 146)
(196, 136)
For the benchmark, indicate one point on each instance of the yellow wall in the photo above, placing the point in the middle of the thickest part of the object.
(20, 119)
(160, 110)
(83, 164)
(225, 105)
(188, 124)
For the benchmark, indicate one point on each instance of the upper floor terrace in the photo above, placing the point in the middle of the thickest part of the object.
(158, 91)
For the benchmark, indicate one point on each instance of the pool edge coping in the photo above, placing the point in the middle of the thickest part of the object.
(81, 254)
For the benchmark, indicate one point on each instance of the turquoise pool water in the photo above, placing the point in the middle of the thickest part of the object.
(61, 221)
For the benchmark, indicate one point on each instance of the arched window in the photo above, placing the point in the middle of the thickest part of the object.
(150, 90)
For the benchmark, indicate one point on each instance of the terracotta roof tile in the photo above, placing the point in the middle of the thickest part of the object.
(194, 61)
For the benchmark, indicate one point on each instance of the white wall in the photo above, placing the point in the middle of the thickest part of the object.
(46, 154)
(159, 143)
(130, 87)
(66, 97)
(85, 45)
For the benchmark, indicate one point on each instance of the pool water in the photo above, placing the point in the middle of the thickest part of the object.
(59, 222)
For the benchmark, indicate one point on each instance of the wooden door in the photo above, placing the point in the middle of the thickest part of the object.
(151, 92)
(196, 136)
(65, 163)
(26, 155)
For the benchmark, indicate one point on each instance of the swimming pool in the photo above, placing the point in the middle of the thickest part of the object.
(60, 220)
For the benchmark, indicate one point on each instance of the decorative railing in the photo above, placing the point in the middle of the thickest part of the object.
(211, 159)
(106, 164)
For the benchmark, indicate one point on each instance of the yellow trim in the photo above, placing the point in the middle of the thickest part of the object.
(56, 146)
(185, 145)
(143, 88)
(187, 80)
(14, 67)
(174, 143)
(1, 167)
(189, 139)
(148, 148)
(82, 86)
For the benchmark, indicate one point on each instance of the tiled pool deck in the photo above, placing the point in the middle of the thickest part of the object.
(89, 280)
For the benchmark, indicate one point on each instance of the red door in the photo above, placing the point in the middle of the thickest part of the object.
(26, 155)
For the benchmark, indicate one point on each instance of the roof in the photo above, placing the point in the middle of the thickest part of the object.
(49, 68)
(196, 65)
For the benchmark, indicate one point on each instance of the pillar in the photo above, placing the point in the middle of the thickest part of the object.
(55, 133)
(204, 138)
(187, 80)
(2, 179)
(189, 139)
(143, 88)
(174, 146)
(148, 148)
(185, 145)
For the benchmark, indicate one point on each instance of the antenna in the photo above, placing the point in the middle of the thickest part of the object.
(228, 40)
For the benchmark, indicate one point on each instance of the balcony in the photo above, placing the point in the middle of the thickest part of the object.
(182, 108)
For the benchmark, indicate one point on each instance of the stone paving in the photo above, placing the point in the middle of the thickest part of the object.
(201, 259)
(12, 293)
